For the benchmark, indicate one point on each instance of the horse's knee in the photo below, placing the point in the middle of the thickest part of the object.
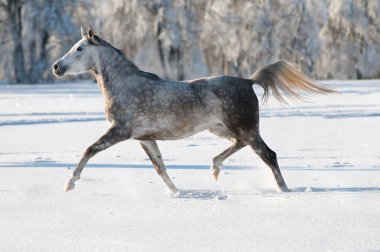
(93, 149)
(90, 151)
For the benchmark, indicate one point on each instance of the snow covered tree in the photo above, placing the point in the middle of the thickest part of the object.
(350, 39)
(13, 12)
(160, 35)
(31, 24)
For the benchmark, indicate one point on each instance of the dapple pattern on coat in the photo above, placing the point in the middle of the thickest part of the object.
(142, 106)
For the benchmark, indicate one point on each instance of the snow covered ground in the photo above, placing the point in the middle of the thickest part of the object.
(328, 150)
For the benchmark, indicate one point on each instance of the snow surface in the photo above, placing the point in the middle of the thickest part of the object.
(328, 150)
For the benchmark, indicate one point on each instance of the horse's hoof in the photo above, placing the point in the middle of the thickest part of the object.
(285, 189)
(69, 187)
(174, 189)
(215, 173)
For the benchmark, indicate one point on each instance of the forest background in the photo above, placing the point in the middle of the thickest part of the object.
(183, 39)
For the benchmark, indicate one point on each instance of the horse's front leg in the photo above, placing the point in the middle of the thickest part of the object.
(111, 137)
(151, 149)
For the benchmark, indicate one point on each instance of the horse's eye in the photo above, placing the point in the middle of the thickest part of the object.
(79, 49)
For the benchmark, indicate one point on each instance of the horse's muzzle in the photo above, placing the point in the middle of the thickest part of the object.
(58, 70)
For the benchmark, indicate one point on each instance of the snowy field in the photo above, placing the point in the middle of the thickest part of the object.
(328, 150)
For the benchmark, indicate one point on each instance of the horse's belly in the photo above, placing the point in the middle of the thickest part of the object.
(170, 132)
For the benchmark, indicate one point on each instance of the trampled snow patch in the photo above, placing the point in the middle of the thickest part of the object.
(200, 194)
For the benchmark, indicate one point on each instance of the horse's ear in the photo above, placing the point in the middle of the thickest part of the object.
(90, 32)
(82, 32)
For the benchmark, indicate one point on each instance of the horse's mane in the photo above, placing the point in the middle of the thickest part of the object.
(101, 42)
(104, 43)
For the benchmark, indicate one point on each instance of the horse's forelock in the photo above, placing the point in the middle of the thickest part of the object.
(91, 42)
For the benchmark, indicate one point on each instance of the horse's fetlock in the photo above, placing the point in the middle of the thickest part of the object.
(215, 172)
(74, 177)
(217, 162)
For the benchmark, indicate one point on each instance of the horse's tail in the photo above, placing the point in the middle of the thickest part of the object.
(288, 78)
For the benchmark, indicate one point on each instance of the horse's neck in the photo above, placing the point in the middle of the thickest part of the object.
(112, 73)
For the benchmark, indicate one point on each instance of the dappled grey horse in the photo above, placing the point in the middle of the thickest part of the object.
(145, 107)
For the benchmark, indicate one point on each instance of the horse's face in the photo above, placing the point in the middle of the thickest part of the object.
(79, 59)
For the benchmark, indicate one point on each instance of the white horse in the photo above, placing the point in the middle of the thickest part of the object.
(145, 107)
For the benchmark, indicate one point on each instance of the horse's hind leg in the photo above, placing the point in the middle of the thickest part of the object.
(111, 137)
(151, 149)
(270, 158)
(217, 161)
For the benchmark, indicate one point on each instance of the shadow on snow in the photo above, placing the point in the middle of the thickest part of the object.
(337, 189)
(53, 164)
(99, 116)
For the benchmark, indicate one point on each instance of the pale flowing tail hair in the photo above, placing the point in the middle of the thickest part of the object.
(288, 78)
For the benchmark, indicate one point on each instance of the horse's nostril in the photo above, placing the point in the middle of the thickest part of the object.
(55, 66)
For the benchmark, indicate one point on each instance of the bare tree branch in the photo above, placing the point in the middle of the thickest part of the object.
(5, 40)
(3, 5)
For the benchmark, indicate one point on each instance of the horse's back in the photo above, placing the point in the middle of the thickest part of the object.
(222, 80)
(229, 89)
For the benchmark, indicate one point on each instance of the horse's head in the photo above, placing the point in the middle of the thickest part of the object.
(80, 58)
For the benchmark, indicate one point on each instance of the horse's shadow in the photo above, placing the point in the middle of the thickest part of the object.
(337, 189)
